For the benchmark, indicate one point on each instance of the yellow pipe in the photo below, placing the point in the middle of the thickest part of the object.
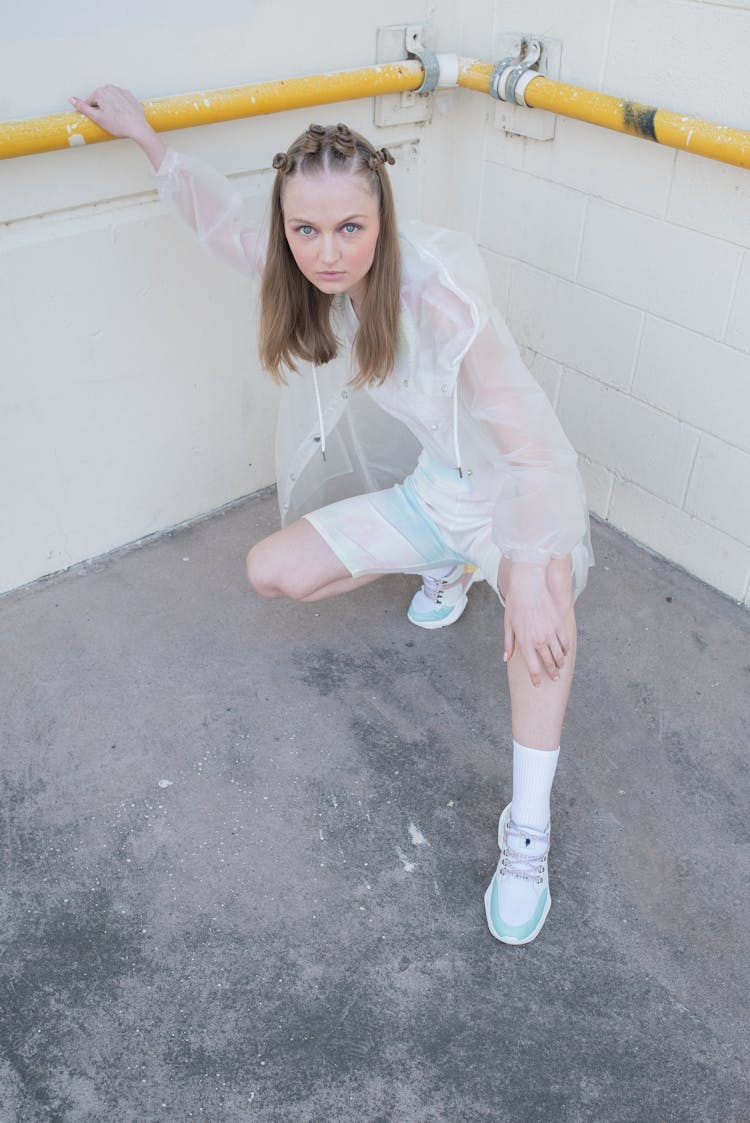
(64, 130)
(473, 74)
(692, 134)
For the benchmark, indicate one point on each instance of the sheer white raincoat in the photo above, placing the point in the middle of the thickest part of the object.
(459, 388)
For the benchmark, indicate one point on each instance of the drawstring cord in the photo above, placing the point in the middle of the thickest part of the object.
(456, 445)
(320, 414)
(456, 442)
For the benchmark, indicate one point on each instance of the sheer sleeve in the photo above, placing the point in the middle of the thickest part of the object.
(540, 508)
(203, 200)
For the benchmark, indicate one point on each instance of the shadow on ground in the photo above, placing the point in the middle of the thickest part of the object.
(245, 844)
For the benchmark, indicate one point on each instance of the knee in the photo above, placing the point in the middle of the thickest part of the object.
(261, 572)
(270, 577)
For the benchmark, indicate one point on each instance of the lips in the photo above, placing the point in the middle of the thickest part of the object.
(330, 276)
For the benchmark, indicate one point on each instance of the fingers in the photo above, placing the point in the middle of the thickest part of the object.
(534, 669)
(541, 657)
(538, 616)
(94, 106)
(558, 651)
(86, 107)
(509, 641)
(113, 109)
(549, 662)
(539, 661)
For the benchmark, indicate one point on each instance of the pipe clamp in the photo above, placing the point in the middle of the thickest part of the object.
(429, 61)
(507, 74)
(499, 75)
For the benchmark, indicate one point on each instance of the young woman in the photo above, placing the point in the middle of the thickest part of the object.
(411, 437)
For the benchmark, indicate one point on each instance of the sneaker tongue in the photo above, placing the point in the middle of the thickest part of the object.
(529, 845)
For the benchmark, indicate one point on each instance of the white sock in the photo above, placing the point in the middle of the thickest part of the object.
(533, 773)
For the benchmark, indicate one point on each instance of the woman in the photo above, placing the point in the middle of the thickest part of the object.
(411, 437)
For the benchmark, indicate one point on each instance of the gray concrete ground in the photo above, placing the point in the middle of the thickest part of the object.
(245, 844)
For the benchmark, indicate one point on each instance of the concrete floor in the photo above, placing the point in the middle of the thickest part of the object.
(245, 844)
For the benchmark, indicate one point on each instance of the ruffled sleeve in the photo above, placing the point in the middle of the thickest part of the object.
(204, 200)
(540, 508)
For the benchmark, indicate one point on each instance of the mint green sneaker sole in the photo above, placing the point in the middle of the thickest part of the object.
(432, 620)
(514, 934)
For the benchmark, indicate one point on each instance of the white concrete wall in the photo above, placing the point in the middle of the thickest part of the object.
(624, 271)
(131, 393)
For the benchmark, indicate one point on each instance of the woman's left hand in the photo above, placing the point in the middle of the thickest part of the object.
(538, 602)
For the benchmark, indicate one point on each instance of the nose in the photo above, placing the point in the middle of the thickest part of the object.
(329, 252)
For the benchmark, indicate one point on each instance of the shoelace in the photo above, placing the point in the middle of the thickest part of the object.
(519, 863)
(433, 586)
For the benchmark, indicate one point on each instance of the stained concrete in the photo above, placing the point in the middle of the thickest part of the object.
(245, 844)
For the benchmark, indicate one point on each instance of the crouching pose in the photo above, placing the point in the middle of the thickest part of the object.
(411, 437)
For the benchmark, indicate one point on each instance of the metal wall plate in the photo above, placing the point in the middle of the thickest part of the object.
(537, 124)
(392, 45)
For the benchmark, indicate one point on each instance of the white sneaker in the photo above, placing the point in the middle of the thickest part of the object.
(441, 600)
(517, 900)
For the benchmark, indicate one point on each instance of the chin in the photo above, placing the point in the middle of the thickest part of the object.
(339, 285)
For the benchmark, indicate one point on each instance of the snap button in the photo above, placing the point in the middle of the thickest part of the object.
(405, 382)
(292, 477)
(344, 393)
(433, 426)
(444, 389)
(469, 472)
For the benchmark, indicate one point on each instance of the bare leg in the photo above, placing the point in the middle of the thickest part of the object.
(517, 901)
(297, 563)
(538, 711)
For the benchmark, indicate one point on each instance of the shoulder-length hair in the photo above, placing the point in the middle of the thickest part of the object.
(295, 317)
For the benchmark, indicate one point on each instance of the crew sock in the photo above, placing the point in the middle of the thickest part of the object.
(533, 773)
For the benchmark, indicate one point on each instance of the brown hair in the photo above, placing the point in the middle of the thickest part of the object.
(295, 318)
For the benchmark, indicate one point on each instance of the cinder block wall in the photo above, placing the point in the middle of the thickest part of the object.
(624, 270)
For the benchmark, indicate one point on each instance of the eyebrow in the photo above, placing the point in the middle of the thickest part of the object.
(341, 222)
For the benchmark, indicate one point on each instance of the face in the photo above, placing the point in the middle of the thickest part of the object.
(332, 222)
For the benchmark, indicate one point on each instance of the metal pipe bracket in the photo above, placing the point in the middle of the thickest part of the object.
(508, 73)
(430, 64)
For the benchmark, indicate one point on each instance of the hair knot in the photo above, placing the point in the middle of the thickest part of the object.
(281, 162)
(342, 141)
(380, 157)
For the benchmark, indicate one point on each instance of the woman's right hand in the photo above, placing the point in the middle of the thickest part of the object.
(119, 113)
(115, 110)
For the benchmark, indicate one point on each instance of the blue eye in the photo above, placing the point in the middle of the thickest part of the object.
(351, 227)
(305, 230)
